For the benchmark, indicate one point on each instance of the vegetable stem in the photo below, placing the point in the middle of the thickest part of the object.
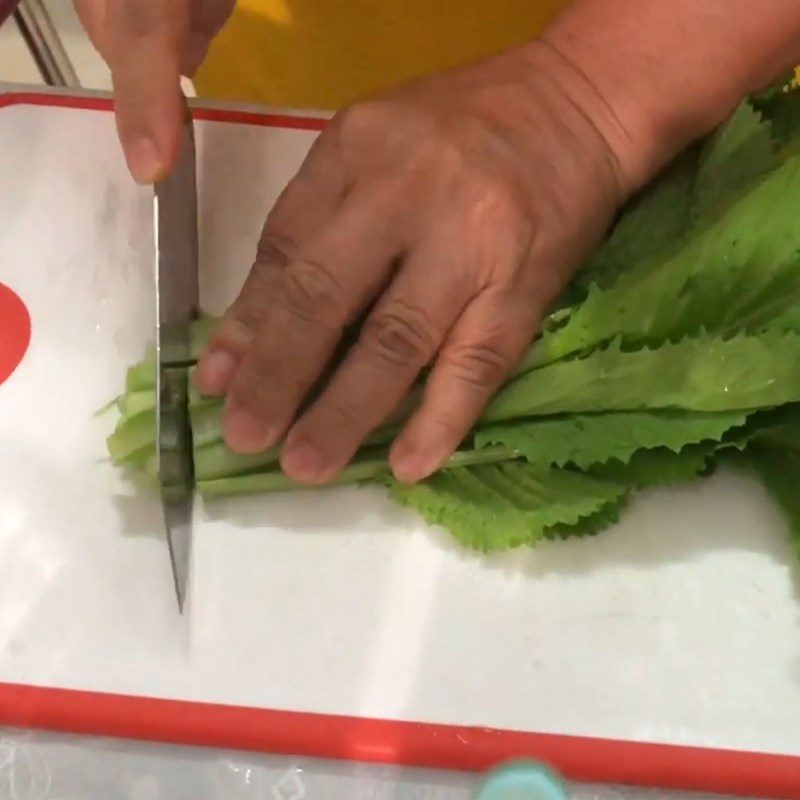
(368, 470)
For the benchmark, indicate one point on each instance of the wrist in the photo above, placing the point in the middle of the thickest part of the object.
(664, 74)
(644, 126)
(581, 106)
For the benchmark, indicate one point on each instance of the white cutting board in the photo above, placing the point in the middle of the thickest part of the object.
(679, 626)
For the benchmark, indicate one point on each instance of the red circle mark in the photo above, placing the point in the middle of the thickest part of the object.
(15, 331)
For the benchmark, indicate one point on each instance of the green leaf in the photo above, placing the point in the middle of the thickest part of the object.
(737, 273)
(697, 184)
(661, 467)
(646, 469)
(740, 152)
(779, 427)
(779, 470)
(781, 106)
(594, 524)
(653, 222)
(786, 120)
(700, 374)
(766, 96)
(493, 507)
(587, 439)
(789, 320)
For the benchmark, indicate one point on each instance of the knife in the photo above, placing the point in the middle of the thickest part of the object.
(177, 301)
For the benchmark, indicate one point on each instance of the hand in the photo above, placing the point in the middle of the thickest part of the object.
(148, 45)
(455, 209)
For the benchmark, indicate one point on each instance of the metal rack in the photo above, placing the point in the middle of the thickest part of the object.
(42, 40)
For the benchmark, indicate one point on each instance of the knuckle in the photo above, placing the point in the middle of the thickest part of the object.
(262, 383)
(444, 428)
(250, 389)
(456, 145)
(496, 201)
(353, 122)
(436, 153)
(250, 306)
(492, 213)
(310, 290)
(346, 415)
(246, 317)
(401, 334)
(481, 366)
(234, 333)
(275, 248)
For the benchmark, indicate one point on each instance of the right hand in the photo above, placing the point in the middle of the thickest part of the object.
(148, 45)
(440, 218)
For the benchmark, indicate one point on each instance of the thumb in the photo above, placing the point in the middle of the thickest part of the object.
(143, 47)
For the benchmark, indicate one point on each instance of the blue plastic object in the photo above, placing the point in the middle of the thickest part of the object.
(522, 780)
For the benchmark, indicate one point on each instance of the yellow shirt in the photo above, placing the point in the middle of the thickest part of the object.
(323, 54)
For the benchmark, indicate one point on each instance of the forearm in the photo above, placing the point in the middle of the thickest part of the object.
(667, 73)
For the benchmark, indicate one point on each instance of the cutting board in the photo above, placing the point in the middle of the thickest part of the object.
(664, 652)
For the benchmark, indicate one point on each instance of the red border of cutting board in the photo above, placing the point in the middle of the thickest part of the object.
(407, 743)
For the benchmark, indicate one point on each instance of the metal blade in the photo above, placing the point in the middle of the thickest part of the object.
(177, 298)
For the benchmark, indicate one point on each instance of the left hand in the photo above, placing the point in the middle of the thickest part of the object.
(148, 45)
(456, 208)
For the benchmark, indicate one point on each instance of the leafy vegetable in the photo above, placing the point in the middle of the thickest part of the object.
(603, 518)
(651, 224)
(660, 467)
(698, 374)
(738, 273)
(781, 106)
(675, 347)
(582, 440)
(739, 153)
(509, 504)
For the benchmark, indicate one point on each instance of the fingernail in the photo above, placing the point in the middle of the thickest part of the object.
(215, 371)
(244, 431)
(304, 463)
(411, 464)
(144, 161)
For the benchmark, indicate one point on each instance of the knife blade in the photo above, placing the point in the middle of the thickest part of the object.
(177, 301)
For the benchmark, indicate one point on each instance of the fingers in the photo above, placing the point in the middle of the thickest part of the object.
(148, 45)
(143, 40)
(483, 347)
(304, 208)
(91, 14)
(207, 18)
(326, 284)
(399, 338)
